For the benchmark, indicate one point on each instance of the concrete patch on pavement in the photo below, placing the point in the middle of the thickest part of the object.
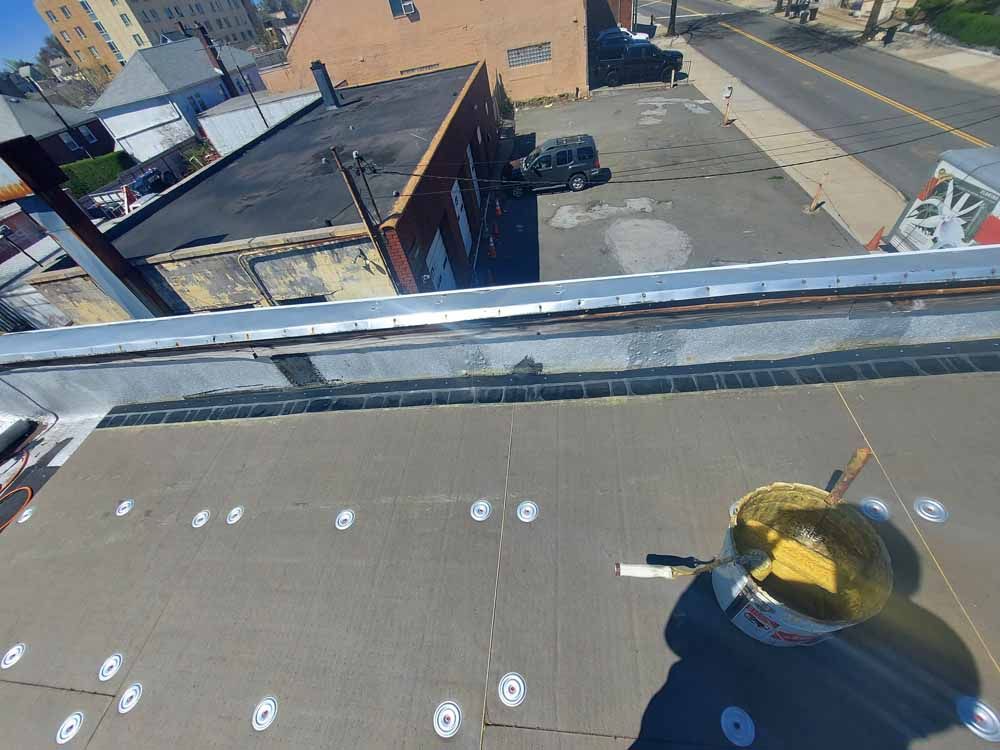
(854, 196)
(646, 245)
(572, 216)
(658, 105)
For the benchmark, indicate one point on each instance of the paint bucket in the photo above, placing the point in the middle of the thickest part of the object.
(830, 569)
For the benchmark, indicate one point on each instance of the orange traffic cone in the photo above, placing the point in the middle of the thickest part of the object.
(875, 242)
(499, 210)
(496, 230)
(492, 251)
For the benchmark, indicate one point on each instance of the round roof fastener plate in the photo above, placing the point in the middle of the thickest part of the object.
(124, 507)
(481, 510)
(264, 713)
(234, 515)
(345, 519)
(875, 509)
(527, 511)
(979, 718)
(130, 697)
(69, 728)
(13, 655)
(28, 513)
(738, 726)
(110, 666)
(511, 689)
(447, 719)
(930, 509)
(200, 518)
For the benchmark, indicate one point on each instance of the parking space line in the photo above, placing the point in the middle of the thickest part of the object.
(974, 140)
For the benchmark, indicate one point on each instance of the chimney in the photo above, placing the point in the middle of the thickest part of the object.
(213, 55)
(326, 88)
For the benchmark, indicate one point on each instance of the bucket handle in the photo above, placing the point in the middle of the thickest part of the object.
(850, 473)
(755, 561)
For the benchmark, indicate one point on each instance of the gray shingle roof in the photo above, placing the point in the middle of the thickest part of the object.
(20, 117)
(164, 69)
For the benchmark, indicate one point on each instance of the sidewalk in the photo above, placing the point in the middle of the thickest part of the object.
(856, 197)
(971, 65)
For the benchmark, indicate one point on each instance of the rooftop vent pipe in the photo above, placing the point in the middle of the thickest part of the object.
(326, 88)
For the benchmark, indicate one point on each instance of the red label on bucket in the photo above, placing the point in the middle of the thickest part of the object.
(755, 616)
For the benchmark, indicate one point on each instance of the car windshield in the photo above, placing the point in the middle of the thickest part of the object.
(535, 153)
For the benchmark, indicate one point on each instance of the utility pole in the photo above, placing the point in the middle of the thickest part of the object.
(871, 28)
(232, 56)
(359, 165)
(672, 25)
(27, 76)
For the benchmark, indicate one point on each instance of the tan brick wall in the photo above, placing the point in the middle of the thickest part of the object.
(362, 42)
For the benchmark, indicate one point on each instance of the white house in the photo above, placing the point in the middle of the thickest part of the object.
(153, 104)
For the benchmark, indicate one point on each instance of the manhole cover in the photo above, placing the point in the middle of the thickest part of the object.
(930, 509)
(980, 718)
(527, 511)
(27, 514)
(875, 509)
(345, 519)
(124, 507)
(447, 719)
(110, 667)
(738, 726)
(13, 655)
(234, 515)
(480, 510)
(130, 697)
(200, 518)
(70, 726)
(265, 713)
(511, 689)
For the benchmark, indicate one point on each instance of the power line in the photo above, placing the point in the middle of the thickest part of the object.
(704, 176)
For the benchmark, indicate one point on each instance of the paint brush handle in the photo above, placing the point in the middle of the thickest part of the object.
(851, 471)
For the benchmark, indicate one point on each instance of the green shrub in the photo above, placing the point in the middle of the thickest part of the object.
(971, 28)
(87, 175)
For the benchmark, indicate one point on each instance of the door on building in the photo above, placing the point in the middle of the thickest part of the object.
(472, 172)
(438, 266)
(463, 217)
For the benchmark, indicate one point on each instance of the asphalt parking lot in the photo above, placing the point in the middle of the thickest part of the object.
(684, 192)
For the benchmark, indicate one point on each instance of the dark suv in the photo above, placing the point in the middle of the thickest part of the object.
(571, 161)
(634, 62)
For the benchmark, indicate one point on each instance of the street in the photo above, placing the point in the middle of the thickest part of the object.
(895, 115)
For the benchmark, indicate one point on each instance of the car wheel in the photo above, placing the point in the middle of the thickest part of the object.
(517, 191)
(577, 182)
(168, 178)
(612, 79)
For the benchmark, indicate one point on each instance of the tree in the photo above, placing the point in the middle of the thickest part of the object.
(51, 48)
(14, 64)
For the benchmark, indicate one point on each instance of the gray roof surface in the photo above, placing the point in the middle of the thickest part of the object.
(282, 185)
(21, 117)
(165, 68)
(263, 97)
(981, 163)
(360, 634)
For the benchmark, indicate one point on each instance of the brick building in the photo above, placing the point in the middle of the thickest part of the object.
(86, 135)
(536, 48)
(101, 35)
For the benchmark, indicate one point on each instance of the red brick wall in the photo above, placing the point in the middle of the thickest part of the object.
(429, 206)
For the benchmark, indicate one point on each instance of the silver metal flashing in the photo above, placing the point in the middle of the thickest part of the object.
(930, 267)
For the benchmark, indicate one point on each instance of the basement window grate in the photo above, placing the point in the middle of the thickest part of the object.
(530, 55)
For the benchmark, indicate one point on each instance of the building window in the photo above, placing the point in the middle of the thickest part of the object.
(87, 134)
(168, 12)
(80, 32)
(226, 21)
(79, 57)
(138, 40)
(114, 2)
(396, 6)
(87, 9)
(154, 15)
(419, 69)
(531, 55)
(144, 16)
(50, 15)
(106, 68)
(70, 142)
(65, 11)
(64, 35)
(191, 8)
(197, 103)
(125, 19)
(178, 11)
(93, 51)
(200, 9)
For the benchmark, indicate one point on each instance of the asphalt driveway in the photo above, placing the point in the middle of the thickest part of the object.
(685, 192)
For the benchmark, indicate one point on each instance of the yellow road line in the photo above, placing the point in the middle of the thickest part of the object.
(974, 140)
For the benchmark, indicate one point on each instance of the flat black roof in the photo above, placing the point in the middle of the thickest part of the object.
(282, 185)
